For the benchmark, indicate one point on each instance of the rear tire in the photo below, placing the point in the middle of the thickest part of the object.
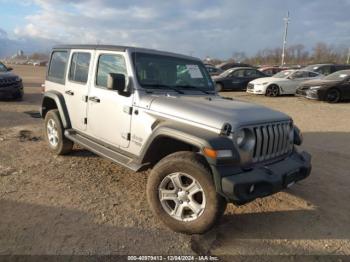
(181, 192)
(54, 133)
(273, 91)
(333, 96)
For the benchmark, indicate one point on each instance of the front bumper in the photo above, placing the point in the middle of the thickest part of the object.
(255, 90)
(266, 180)
(310, 94)
(11, 90)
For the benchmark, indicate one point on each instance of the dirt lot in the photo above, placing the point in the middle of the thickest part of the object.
(83, 204)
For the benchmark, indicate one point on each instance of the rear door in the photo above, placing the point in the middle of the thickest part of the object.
(109, 114)
(79, 76)
(236, 79)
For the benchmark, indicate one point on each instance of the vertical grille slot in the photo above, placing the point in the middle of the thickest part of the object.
(272, 140)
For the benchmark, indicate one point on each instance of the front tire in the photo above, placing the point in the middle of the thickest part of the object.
(55, 138)
(219, 87)
(181, 192)
(273, 91)
(333, 96)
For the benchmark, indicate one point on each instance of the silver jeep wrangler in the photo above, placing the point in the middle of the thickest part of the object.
(144, 109)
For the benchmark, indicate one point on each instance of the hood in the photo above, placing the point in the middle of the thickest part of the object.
(215, 111)
(320, 82)
(7, 75)
(266, 79)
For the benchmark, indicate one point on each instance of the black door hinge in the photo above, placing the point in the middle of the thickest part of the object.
(86, 99)
(85, 121)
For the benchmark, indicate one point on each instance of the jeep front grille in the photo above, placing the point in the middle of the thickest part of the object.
(272, 140)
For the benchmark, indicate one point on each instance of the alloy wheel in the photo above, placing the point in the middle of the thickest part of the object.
(182, 197)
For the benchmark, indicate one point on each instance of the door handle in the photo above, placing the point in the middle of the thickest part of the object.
(69, 92)
(94, 99)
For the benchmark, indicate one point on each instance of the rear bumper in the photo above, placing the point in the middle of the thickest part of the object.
(266, 180)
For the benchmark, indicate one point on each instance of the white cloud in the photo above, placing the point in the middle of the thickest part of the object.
(215, 28)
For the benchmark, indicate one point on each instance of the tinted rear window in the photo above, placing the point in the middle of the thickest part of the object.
(57, 67)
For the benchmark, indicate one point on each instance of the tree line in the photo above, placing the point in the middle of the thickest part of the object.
(295, 55)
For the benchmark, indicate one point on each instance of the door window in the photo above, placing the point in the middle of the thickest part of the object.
(324, 70)
(238, 73)
(108, 63)
(300, 74)
(79, 67)
(252, 73)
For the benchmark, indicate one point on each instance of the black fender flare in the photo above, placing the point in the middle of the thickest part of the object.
(196, 137)
(58, 98)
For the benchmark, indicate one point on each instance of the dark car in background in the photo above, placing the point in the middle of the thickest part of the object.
(271, 70)
(227, 65)
(326, 69)
(237, 78)
(332, 88)
(11, 85)
(213, 71)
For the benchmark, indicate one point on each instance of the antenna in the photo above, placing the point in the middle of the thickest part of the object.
(286, 22)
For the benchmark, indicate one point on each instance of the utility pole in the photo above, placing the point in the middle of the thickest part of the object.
(348, 59)
(286, 22)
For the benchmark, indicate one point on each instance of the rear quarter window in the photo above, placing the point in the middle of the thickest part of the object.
(57, 67)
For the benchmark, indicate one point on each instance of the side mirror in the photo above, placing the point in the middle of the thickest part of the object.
(9, 68)
(116, 82)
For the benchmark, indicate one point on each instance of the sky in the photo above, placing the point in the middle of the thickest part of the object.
(197, 27)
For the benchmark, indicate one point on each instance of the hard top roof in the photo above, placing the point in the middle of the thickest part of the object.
(122, 49)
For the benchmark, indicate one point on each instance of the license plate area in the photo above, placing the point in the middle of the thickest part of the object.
(291, 178)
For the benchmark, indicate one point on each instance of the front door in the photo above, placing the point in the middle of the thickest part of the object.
(77, 85)
(109, 116)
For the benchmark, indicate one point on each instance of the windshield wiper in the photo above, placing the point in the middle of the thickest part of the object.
(159, 86)
(195, 88)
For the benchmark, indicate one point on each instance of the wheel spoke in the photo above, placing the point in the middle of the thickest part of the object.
(176, 180)
(195, 207)
(194, 188)
(166, 194)
(178, 211)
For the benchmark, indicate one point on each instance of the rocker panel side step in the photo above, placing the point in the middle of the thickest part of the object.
(102, 150)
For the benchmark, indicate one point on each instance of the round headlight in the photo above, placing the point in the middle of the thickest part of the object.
(240, 136)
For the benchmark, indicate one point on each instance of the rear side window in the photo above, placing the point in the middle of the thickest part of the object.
(312, 74)
(57, 69)
(79, 67)
(109, 64)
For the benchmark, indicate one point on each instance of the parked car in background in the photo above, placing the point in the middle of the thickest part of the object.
(236, 78)
(10, 84)
(228, 65)
(333, 88)
(213, 71)
(326, 69)
(282, 83)
(271, 70)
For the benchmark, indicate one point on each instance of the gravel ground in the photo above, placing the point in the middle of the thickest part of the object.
(83, 204)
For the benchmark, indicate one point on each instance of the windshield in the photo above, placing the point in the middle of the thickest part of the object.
(283, 74)
(3, 67)
(226, 73)
(340, 75)
(168, 72)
